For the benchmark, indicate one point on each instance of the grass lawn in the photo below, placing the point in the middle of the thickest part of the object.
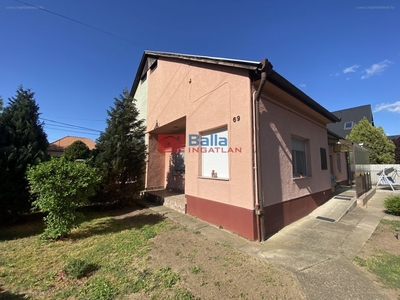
(134, 254)
(381, 256)
(116, 247)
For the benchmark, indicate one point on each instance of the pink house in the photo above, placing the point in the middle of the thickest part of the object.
(246, 149)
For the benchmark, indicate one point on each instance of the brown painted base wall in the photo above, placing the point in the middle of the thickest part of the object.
(236, 219)
(282, 214)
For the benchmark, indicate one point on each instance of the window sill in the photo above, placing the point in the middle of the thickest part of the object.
(213, 178)
(301, 178)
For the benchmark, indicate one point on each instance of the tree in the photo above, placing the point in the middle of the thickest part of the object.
(374, 138)
(23, 142)
(121, 148)
(61, 186)
(77, 150)
(397, 150)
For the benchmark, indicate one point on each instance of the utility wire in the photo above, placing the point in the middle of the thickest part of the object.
(70, 125)
(73, 131)
(79, 22)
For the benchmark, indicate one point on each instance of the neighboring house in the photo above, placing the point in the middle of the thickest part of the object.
(263, 161)
(57, 147)
(348, 118)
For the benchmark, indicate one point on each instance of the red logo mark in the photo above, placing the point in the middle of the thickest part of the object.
(171, 142)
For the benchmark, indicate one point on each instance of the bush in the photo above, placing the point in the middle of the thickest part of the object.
(61, 186)
(78, 268)
(392, 205)
(77, 150)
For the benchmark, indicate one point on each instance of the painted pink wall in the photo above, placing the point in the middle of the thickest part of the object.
(209, 98)
(277, 127)
(155, 165)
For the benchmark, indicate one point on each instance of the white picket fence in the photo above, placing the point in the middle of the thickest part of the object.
(374, 169)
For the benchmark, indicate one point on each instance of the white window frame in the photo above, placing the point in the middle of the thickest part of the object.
(300, 168)
(215, 164)
(351, 125)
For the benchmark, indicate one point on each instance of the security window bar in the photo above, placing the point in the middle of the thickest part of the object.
(215, 158)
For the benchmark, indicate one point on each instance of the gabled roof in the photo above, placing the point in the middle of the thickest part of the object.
(61, 144)
(393, 137)
(149, 57)
(354, 115)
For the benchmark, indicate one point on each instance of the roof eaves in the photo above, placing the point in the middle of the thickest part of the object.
(279, 81)
(235, 63)
(244, 64)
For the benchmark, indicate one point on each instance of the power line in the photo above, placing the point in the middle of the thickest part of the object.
(79, 22)
(70, 125)
(73, 131)
(79, 119)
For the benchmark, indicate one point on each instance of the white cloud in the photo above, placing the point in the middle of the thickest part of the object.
(391, 107)
(377, 68)
(353, 68)
(302, 85)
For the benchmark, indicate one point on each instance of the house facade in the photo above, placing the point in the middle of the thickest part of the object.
(247, 149)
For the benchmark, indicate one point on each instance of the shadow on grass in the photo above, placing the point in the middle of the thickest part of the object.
(117, 224)
(34, 225)
(10, 296)
(98, 224)
(19, 231)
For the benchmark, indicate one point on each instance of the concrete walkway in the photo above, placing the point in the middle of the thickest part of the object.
(318, 252)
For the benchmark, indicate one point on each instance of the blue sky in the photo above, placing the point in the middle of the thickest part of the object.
(341, 53)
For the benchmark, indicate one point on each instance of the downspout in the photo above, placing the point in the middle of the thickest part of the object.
(266, 70)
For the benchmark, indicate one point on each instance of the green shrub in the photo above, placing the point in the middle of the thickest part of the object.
(61, 186)
(78, 268)
(392, 205)
(77, 150)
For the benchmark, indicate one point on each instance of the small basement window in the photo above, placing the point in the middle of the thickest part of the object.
(348, 125)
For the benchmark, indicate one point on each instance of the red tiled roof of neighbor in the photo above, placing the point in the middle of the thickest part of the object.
(64, 142)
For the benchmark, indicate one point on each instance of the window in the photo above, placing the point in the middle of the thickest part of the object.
(324, 162)
(338, 162)
(299, 158)
(348, 125)
(214, 154)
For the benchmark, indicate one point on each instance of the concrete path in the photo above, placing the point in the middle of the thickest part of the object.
(318, 252)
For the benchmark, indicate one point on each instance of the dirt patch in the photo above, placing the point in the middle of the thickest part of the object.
(383, 238)
(212, 270)
(384, 241)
